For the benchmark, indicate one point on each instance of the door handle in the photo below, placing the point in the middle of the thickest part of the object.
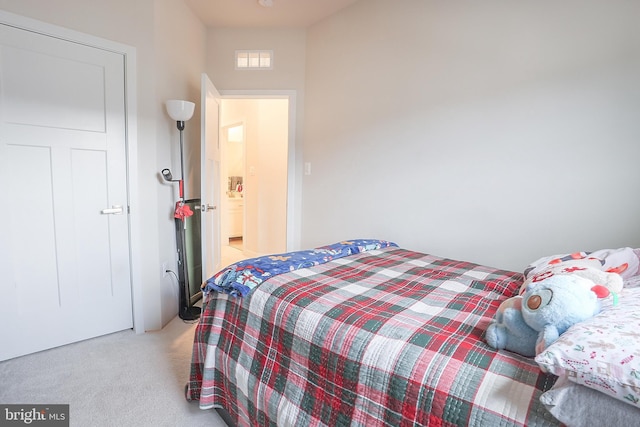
(113, 210)
(208, 207)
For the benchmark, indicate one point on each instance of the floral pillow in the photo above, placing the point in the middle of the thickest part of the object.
(603, 352)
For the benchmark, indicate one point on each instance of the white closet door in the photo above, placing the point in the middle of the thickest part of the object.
(64, 243)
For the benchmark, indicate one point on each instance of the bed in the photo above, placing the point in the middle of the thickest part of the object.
(383, 336)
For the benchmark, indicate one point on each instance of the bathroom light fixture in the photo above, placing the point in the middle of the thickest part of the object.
(265, 3)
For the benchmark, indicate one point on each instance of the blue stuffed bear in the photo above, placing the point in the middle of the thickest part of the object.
(509, 331)
(527, 324)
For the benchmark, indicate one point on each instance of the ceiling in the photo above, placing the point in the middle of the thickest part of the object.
(248, 13)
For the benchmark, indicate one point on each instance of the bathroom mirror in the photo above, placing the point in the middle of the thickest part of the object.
(235, 160)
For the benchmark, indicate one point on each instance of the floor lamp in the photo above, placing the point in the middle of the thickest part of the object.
(181, 111)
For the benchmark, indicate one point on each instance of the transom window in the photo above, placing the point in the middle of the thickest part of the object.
(254, 59)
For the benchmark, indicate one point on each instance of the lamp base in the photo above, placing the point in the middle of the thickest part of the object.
(190, 313)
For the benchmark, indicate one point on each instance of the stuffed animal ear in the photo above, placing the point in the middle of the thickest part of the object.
(601, 291)
(619, 269)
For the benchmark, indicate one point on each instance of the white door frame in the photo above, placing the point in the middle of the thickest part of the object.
(294, 174)
(131, 126)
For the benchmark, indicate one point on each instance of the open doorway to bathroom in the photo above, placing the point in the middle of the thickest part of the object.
(254, 159)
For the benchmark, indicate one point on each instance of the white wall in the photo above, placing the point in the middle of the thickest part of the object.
(288, 47)
(180, 51)
(494, 131)
(169, 42)
(271, 176)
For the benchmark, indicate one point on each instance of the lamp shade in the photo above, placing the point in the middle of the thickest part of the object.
(180, 110)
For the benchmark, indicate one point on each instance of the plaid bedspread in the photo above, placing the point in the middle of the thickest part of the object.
(388, 337)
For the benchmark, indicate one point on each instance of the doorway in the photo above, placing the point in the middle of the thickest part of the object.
(232, 217)
(255, 135)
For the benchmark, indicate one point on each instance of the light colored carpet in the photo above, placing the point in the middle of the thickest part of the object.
(122, 379)
(231, 254)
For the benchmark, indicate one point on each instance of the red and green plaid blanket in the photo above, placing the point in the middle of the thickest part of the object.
(388, 337)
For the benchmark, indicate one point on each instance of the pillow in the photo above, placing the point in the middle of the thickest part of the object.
(577, 405)
(611, 268)
(603, 352)
(634, 280)
(624, 261)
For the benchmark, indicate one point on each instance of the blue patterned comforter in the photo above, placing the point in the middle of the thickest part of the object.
(242, 277)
